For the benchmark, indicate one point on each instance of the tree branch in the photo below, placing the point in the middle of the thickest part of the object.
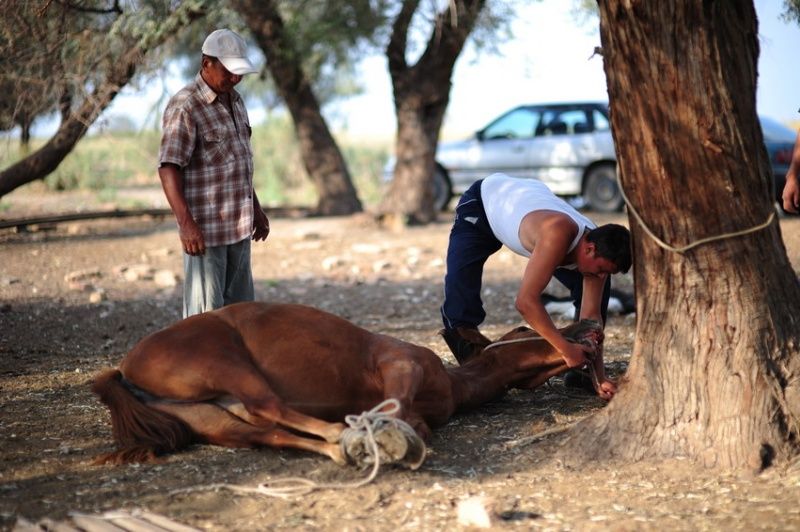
(45, 160)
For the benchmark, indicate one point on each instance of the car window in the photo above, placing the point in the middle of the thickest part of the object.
(566, 122)
(517, 124)
(600, 121)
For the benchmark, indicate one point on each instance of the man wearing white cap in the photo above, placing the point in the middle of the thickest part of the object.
(206, 170)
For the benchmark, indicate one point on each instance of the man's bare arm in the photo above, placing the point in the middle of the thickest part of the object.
(591, 303)
(190, 234)
(551, 244)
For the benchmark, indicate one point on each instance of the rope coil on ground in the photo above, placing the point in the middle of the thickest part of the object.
(365, 424)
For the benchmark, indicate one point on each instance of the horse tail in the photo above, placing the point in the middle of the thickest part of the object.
(141, 433)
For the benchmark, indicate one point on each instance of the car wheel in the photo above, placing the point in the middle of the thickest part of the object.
(601, 192)
(442, 190)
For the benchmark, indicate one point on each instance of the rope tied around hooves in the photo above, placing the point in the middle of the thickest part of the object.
(373, 437)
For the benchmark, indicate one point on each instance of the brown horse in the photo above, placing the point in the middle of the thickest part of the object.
(280, 375)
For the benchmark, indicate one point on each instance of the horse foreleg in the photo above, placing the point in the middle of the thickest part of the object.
(541, 377)
(402, 379)
(217, 426)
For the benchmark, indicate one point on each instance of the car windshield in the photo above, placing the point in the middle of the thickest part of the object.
(774, 131)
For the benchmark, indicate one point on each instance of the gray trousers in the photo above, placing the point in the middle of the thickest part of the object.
(219, 277)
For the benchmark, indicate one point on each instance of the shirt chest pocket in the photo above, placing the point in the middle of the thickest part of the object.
(217, 147)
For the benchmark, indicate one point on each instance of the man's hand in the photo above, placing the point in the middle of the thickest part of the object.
(192, 238)
(260, 225)
(791, 194)
(606, 389)
(575, 354)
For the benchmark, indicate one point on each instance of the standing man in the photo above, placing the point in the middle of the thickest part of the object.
(206, 170)
(525, 216)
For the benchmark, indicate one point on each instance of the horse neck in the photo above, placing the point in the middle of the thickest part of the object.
(490, 374)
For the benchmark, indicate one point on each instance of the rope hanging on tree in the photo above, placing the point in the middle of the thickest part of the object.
(683, 249)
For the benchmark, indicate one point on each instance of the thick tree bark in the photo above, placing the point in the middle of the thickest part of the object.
(715, 372)
(75, 123)
(421, 94)
(321, 155)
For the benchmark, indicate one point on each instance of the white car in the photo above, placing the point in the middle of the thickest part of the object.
(567, 146)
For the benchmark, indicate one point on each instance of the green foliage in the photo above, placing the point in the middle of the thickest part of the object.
(366, 162)
(58, 53)
(109, 162)
(329, 36)
(791, 11)
(280, 177)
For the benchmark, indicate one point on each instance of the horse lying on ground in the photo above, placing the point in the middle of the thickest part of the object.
(281, 375)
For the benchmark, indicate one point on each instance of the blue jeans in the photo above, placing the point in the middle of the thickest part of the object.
(471, 244)
(217, 278)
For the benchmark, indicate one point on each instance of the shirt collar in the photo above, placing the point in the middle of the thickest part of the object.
(208, 94)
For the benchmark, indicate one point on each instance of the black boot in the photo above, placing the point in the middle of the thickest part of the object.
(461, 348)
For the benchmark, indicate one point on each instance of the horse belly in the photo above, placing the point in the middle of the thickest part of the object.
(326, 393)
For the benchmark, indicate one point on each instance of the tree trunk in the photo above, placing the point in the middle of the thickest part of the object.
(715, 373)
(321, 155)
(25, 135)
(421, 95)
(74, 124)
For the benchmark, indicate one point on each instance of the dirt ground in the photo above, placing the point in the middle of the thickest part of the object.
(75, 297)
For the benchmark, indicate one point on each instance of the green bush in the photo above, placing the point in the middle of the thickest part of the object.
(105, 163)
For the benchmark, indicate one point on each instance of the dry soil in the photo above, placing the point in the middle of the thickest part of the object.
(75, 297)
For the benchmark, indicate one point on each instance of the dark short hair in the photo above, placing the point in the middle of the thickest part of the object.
(612, 242)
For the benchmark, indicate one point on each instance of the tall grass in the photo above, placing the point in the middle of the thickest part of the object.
(105, 163)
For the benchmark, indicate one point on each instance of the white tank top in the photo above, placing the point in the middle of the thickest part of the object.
(507, 200)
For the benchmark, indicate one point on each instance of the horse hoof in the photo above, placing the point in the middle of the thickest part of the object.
(353, 445)
(416, 451)
(394, 446)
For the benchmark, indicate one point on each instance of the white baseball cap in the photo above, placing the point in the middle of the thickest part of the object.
(231, 50)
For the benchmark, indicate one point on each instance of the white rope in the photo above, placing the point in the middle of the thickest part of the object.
(292, 486)
(683, 249)
(514, 341)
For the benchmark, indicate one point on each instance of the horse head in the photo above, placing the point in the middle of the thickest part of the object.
(535, 358)
(586, 332)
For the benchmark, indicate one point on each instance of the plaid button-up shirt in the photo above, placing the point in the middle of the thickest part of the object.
(212, 147)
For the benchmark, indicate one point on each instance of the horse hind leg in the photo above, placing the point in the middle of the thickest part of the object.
(255, 402)
(217, 426)
(393, 445)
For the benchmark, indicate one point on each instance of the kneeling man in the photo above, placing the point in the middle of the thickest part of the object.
(525, 216)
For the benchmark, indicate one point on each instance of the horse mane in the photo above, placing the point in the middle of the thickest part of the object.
(142, 433)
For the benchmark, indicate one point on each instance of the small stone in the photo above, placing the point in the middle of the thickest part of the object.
(97, 296)
(473, 512)
(165, 278)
